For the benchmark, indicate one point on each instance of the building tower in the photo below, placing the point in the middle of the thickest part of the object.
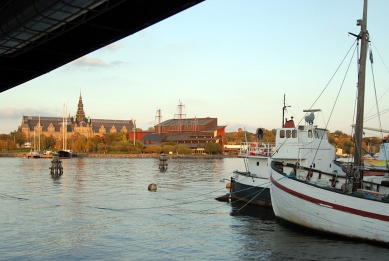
(80, 116)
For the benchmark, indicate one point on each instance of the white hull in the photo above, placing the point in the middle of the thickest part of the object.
(329, 210)
(252, 185)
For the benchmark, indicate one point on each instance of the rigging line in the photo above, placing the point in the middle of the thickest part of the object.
(386, 70)
(332, 77)
(375, 115)
(336, 99)
(253, 198)
(375, 93)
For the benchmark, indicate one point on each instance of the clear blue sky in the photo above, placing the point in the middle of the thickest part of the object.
(232, 60)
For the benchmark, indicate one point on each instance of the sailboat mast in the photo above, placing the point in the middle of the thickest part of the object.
(283, 112)
(361, 99)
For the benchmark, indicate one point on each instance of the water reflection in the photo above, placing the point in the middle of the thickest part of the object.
(101, 209)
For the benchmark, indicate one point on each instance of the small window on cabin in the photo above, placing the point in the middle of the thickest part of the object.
(282, 134)
(288, 132)
(294, 133)
(310, 134)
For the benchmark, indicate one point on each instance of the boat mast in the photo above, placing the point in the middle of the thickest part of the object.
(283, 113)
(363, 35)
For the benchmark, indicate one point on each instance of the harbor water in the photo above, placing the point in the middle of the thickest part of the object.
(101, 209)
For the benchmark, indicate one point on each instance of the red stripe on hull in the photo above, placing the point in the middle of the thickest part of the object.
(334, 206)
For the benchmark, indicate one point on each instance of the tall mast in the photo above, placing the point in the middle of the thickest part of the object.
(283, 112)
(363, 35)
(158, 117)
(39, 134)
(180, 116)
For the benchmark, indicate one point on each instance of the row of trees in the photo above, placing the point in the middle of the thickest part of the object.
(338, 139)
(108, 143)
(120, 143)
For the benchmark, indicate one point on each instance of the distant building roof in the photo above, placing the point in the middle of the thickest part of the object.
(153, 137)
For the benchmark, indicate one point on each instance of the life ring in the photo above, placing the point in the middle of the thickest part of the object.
(262, 151)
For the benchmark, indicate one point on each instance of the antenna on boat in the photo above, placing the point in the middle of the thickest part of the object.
(283, 112)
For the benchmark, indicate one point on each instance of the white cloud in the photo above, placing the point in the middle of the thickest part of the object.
(87, 62)
(16, 113)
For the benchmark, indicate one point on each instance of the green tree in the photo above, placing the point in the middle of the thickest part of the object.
(79, 145)
(167, 148)
(213, 148)
(3, 145)
(112, 137)
(153, 149)
(90, 145)
(19, 137)
(102, 148)
(183, 149)
(11, 145)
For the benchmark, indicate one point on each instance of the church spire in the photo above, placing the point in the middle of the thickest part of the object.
(80, 110)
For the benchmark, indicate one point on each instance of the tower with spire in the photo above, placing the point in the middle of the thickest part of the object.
(80, 116)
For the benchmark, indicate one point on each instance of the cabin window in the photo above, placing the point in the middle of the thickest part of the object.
(282, 134)
(310, 134)
(294, 133)
(288, 133)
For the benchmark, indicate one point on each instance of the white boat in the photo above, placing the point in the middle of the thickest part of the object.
(346, 206)
(292, 145)
(252, 185)
(381, 162)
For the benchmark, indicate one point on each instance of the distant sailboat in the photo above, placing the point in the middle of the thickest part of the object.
(36, 153)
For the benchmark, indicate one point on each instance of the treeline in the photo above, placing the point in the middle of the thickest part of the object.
(121, 143)
(338, 139)
(107, 143)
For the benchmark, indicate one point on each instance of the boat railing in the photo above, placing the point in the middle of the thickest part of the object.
(257, 148)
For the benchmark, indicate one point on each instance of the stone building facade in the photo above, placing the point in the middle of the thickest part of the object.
(79, 124)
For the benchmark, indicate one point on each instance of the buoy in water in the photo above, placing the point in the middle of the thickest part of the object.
(228, 185)
(152, 187)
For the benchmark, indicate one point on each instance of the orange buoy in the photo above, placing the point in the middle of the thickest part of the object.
(228, 185)
(152, 187)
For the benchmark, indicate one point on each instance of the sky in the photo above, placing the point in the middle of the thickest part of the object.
(228, 59)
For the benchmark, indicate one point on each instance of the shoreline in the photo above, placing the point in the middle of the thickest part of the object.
(96, 155)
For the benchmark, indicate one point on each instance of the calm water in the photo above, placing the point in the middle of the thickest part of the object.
(100, 209)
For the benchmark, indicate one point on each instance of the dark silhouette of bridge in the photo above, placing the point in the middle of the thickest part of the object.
(37, 36)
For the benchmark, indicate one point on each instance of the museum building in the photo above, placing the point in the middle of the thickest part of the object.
(60, 127)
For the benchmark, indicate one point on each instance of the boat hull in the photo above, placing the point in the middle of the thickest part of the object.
(249, 189)
(327, 210)
(64, 154)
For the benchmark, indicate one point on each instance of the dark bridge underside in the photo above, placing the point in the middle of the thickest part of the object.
(37, 36)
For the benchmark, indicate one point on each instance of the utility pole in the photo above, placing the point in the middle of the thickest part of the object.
(133, 122)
